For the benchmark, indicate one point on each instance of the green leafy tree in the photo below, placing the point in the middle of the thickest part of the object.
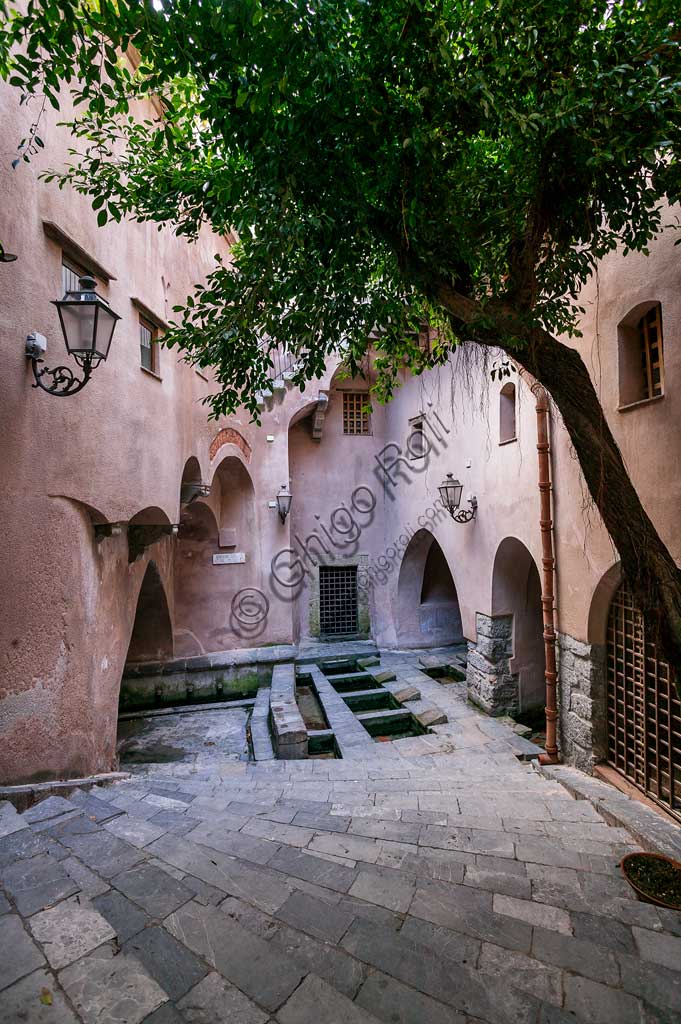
(459, 163)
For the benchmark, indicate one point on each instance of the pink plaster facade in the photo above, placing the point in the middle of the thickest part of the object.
(117, 454)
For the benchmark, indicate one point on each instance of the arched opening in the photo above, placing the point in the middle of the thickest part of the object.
(428, 613)
(643, 711)
(507, 424)
(152, 632)
(640, 354)
(216, 556)
(191, 485)
(516, 596)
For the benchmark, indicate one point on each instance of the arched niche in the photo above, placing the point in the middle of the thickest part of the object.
(152, 631)
(507, 413)
(150, 516)
(516, 596)
(216, 556)
(604, 591)
(428, 613)
(234, 501)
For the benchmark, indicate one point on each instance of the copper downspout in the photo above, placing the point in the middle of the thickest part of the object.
(548, 571)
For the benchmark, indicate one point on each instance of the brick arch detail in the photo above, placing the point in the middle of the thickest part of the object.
(228, 435)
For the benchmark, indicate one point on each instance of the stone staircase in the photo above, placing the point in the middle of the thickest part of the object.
(445, 883)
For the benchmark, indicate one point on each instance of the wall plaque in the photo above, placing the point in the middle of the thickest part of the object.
(231, 558)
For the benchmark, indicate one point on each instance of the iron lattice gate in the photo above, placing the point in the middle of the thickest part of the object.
(644, 712)
(337, 600)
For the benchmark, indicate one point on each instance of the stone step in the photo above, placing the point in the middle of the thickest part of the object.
(260, 729)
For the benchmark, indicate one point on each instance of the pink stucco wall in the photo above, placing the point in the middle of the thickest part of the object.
(120, 447)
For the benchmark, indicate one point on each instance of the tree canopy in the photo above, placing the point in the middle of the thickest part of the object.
(370, 156)
(458, 163)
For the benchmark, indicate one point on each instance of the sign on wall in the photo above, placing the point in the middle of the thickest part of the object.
(231, 558)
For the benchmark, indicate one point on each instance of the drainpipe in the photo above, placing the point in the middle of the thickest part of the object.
(548, 571)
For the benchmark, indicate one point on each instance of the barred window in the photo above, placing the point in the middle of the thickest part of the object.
(641, 359)
(650, 342)
(355, 414)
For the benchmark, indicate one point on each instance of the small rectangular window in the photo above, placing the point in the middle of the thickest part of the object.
(148, 346)
(71, 274)
(417, 444)
(650, 341)
(355, 414)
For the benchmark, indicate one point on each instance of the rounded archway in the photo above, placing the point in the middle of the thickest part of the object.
(216, 557)
(428, 613)
(152, 631)
(516, 596)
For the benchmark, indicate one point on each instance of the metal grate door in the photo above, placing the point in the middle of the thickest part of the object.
(644, 712)
(337, 600)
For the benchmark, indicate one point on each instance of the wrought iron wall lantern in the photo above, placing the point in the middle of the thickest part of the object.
(193, 489)
(87, 323)
(450, 494)
(284, 499)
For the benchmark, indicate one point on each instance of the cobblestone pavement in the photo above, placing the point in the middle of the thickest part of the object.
(435, 880)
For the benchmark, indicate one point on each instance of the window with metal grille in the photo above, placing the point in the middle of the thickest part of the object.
(71, 274)
(650, 341)
(643, 709)
(640, 355)
(148, 346)
(337, 600)
(355, 415)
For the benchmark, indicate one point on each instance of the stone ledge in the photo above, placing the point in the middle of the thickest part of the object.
(647, 827)
(288, 727)
(261, 740)
(24, 796)
(220, 659)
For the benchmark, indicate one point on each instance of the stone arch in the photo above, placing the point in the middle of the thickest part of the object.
(217, 555)
(584, 671)
(517, 609)
(228, 435)
(604, 591)
(428, 613)
(152, 632)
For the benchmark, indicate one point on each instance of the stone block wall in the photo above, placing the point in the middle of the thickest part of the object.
(581, 689)
(491, 684)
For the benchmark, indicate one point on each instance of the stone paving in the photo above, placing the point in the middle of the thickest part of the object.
(433, 880)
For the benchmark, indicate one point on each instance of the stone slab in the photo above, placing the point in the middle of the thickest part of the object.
(315, 917)
(169, 962)
(153, 889)
(107, 989)
(69, 931)
(103, 853)
(244, 959)
(215, 1001)
(36, 1000)
(37, 883)
(20, 955)
(10, 821)
(51, 807)
(125, 917)
(315, 1000)
(389, 1000)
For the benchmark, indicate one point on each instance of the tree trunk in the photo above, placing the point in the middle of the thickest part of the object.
(647, 565)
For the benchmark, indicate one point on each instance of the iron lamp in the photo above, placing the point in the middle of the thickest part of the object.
(87, 323)
(284, 499)
(450, 495)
